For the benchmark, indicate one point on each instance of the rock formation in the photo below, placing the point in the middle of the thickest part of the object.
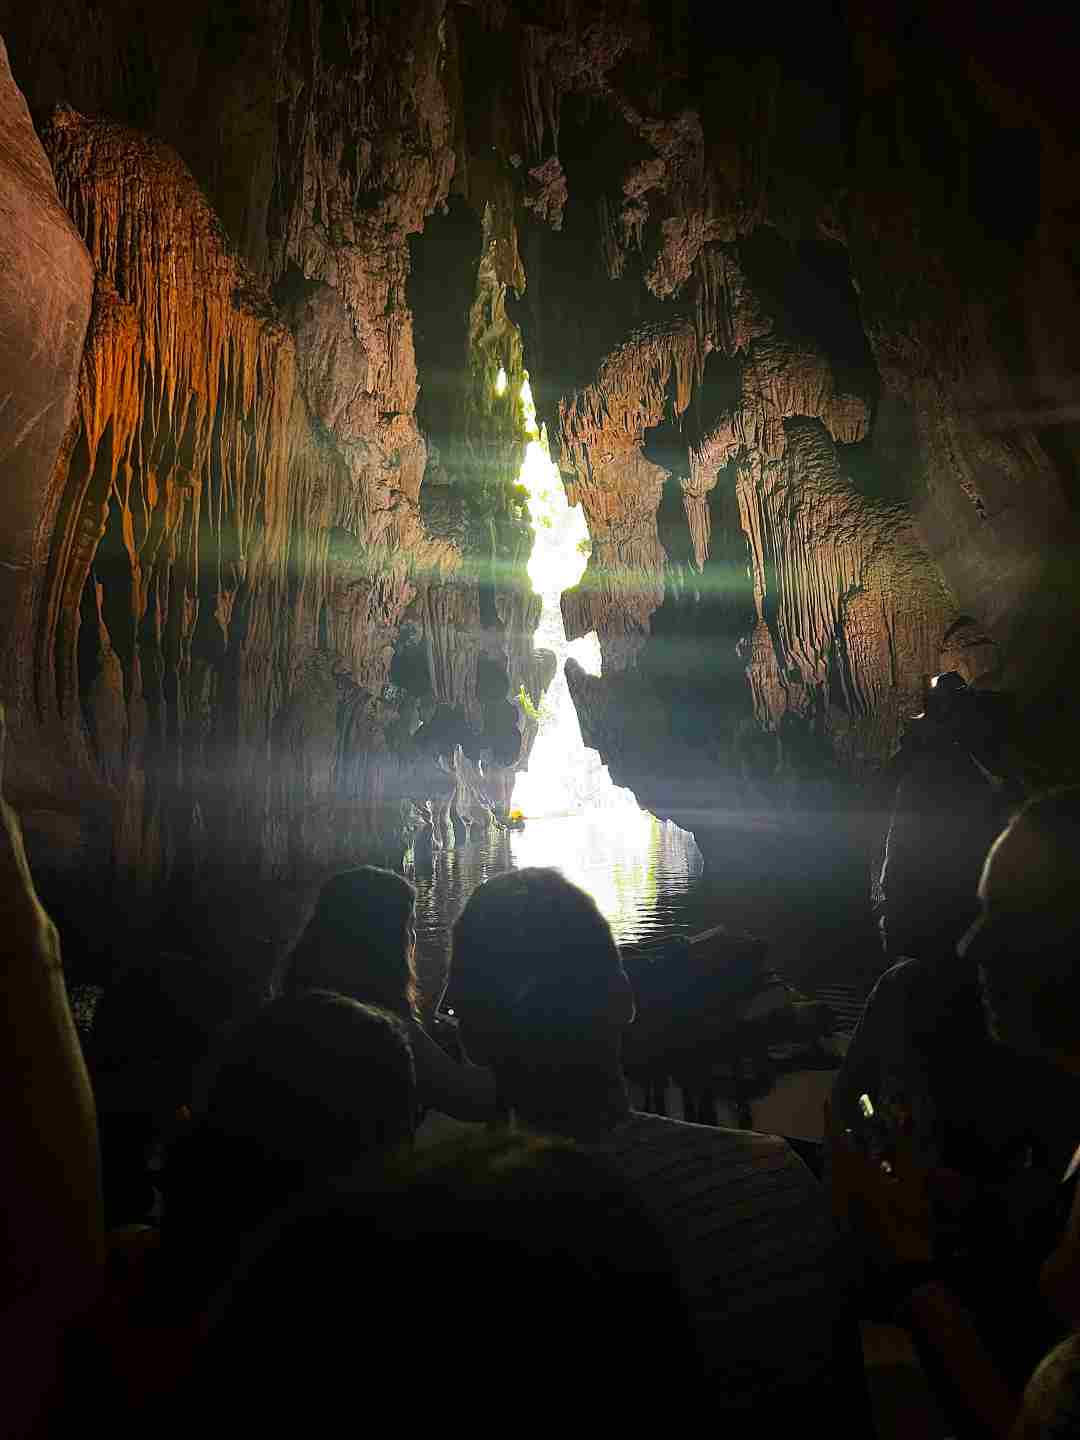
(230, 557)
(798, 305)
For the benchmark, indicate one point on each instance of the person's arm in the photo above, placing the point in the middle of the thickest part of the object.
(52, 1237)
(876, 1037)
(465, 1092)
(941, 1321)
(883, 1062)
(892, 1212)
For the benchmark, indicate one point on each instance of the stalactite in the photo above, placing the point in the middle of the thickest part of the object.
(728, 315)
(832, 570)
(612, 248)
(547, 192)
(451, 619)
(195, 447)
(629, 394)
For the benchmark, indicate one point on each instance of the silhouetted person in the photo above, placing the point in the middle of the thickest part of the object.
(996, 1126)
(361, 942)
(953, 795)
(1025, 946)
(310, 1088)
(156, 1022)
(512, 1275)
(922, 1040)
(543, 998)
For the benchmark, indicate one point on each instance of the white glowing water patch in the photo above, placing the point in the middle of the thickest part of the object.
(564, 777)
(617, 863)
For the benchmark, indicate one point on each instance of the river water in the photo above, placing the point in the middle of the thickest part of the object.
(643, 873)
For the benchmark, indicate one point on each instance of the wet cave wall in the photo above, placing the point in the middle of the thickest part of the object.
(799, 304)
(247, 650)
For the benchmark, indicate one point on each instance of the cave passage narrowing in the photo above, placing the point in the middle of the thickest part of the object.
(576, 818)
(563, 777)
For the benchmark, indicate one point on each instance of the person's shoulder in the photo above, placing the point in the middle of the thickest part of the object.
(897, 981)
(902, 974)
(707, 1179)
(658, 1140)
(438, 1129)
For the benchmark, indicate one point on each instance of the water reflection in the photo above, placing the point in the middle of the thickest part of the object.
(630, 863)
(640, 870)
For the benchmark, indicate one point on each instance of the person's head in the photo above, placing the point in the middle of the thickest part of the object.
(1026, 941)
(943, 697)
(314, 1082)
(535, 968)
(982, 721)
(313, 1087)
(1051, 1404)
(360, 941)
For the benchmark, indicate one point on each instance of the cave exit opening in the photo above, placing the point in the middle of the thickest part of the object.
(575, 818)
(564, 777)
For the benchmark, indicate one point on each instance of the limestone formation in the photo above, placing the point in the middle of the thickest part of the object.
(44, 310)
(798, 304)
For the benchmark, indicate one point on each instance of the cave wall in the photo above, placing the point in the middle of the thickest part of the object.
(799, 306)
(823, 276)
(43, 324)
(852, 341)
(247, 652)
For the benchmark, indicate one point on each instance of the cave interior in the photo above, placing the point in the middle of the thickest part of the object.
(798, 305)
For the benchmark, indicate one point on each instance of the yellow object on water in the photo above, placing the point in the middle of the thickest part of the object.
(514, 815)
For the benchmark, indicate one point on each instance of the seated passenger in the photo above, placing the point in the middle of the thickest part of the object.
(311, 1087)
(510, 1275)
(954, 793)
(155, 1024)
(997, 1119)
(542, 998)
(1026, 950)
(995, 1126)
(361, 942)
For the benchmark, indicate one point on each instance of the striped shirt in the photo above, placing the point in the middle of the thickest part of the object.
(749, 1229)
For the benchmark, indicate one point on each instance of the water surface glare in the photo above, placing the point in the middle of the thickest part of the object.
(641, 872)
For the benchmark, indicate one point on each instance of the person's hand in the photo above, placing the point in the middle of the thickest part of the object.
(887, 1203)
(23, 920)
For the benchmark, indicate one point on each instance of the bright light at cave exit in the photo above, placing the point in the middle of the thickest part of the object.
(564, 778)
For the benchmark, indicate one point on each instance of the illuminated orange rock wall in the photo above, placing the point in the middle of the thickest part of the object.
(799, 306)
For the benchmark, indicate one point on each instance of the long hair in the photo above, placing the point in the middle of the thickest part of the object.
(359, 942)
